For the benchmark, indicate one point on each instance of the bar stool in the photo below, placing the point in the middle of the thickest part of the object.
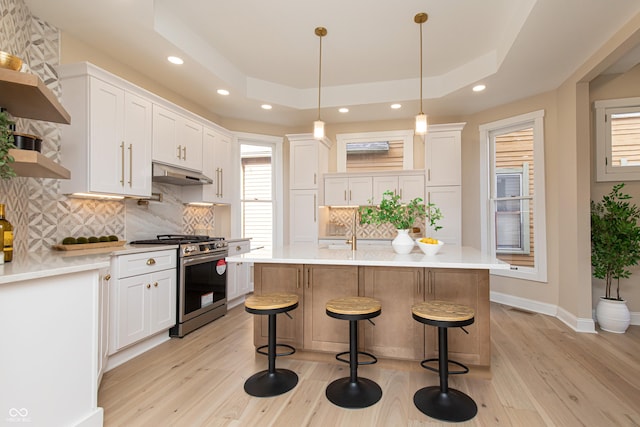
(442, 402)
(271, 382)
(354, 391)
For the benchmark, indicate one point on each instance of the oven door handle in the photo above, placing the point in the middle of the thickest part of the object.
(203, 259)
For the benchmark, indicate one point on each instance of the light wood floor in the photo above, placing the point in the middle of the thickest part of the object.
(543, 374)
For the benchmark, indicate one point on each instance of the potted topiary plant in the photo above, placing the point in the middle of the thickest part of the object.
(6, 143)
(401, 216)
(615, 246)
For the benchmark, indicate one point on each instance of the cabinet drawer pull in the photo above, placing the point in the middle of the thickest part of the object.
(297, 279)
(155, 284)
(130, 165)
(151, 261)
(238, 248)
(148, 285)
(107, 277)
(179, 151)
(122, 175)
(184, 153)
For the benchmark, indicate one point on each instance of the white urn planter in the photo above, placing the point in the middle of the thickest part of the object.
(613, 315)
(403, 243)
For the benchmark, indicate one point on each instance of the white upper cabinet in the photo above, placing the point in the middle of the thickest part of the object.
(217, 164)
(347, 191)
(407, 186)
(107, 147)
(177, 140)
(357, 189)
(308, 160)
(443, 154)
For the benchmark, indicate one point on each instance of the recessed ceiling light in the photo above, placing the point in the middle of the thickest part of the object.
(175, 60)
(396, 106)
(479, 88)
(266, 107)
(223, 92)
(344, 110)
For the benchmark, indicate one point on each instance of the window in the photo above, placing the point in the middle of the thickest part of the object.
(261, 188)
(375, 151)
(513, 214)
(617, 139)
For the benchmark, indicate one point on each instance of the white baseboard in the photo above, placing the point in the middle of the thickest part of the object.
(575, 323)
(129, 353)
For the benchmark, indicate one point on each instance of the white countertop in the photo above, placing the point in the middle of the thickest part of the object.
(46, 263)
(450, 256)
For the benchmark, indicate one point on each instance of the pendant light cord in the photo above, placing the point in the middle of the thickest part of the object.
(421, 68)
(319, 76)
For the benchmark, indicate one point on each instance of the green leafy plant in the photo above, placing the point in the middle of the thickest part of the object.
(401, 216)
(615, 238)
(6, 143)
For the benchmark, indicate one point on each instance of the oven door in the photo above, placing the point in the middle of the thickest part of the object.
(203, 285)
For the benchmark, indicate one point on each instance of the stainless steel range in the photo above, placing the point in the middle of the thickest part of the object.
(202, 280)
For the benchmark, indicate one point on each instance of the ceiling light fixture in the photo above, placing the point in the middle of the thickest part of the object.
(266, 107)
(396, 106)
(223, 92)
(318, 125)
(421, 119)
(479, 88)
(343, 110)
(175, 60)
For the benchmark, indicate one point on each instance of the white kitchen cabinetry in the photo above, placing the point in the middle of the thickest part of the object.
(348, 191)
(177, 140)
(143, 298)
(107, 147)
(239, 275)
(217, 164)
(103, 321)
(443, 162)
(304, 216)
(308, 161)
(407, 186)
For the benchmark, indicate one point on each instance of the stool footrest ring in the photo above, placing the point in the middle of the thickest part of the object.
(464, 370)
(288, 353)
(347, 361)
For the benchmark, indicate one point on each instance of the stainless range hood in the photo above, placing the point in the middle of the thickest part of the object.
(176, 176)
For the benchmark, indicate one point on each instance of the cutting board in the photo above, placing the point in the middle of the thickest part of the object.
(80, 246)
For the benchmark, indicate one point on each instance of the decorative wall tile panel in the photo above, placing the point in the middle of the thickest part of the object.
(344, 218)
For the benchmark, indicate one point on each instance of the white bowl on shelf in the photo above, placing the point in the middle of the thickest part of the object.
(430, 248)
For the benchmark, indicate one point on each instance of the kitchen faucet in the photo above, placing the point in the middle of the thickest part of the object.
(354, 227)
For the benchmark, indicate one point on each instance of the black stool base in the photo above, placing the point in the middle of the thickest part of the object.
(452, 406)
(264, 384)
(359, 394)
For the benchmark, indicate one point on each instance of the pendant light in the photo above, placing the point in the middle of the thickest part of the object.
(318, 125)
(421, 118)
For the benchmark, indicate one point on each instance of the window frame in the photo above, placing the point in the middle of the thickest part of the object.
(602, 114)
(533, 120)
(406, 136)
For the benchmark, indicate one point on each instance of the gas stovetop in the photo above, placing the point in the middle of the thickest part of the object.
(190, 245)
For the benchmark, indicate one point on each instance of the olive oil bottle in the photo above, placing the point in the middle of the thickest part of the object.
(6, 236)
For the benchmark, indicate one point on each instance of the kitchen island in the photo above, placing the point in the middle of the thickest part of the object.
(319, 273)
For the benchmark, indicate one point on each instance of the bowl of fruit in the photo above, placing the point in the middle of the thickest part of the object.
(429, 246)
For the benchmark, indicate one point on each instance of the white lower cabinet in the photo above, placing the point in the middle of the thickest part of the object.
(448, 199)
(303, 227)
(143, 297)
(239, 275)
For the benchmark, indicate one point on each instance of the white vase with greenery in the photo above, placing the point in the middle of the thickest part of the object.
(615, 246)
(401, 216)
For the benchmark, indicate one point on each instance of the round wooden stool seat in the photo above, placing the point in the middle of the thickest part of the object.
(267, 302)
(353, 308)
(442, 311)
(442, 402)
(272, 381)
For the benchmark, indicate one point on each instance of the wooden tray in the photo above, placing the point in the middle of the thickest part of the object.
(77, 247)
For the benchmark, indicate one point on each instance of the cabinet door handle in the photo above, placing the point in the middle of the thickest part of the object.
(238, 248)
(345, 195)
(314, 208)
(401, 193)
(221, 182)
(155, 284)
(107, 277)
(148, 286)
(151, 261)
(350, 196)
(297, 279)
(184, 153)
(179, 151)
(315, 178)
(130, 165)
(122, 175)
(219, 188)
(308, 278)
(428, 174)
